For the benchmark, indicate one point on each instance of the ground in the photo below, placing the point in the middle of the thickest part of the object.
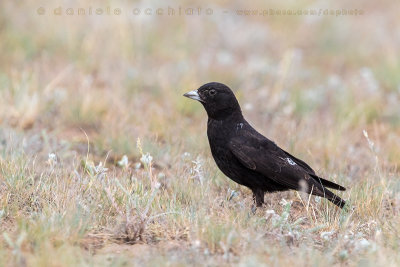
(103, 162)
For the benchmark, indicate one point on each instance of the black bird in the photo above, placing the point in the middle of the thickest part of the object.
(249, 158)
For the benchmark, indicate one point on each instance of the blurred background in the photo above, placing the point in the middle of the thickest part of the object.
(88, 78)
(121, 75)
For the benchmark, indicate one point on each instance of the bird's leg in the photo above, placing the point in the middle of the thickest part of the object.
(258, 197)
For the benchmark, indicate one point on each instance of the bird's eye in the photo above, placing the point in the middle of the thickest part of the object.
(212, 92)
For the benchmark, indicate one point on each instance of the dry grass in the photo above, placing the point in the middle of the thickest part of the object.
(76, 94)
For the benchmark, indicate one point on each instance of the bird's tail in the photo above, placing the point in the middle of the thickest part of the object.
(323, 192)
(337, 201)
(327, 183)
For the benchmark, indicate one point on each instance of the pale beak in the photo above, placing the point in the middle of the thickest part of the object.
(193, 95)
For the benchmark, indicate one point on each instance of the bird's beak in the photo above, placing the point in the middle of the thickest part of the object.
(193, 95)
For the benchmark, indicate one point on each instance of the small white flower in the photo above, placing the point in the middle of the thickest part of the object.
(270, 212)
(138, 165)
(157, 185)
(99, 169)
(124, 162)
(146, 159)
(52, 159)
(327, 235)
(52, 156)
(185, 155)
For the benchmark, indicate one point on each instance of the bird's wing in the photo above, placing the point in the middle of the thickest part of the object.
(312, 173)
(304, 165)
(268, 159)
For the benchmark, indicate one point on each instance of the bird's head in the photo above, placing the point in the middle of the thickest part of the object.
(217, 99)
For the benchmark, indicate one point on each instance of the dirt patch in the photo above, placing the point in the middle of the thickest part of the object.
(137, 250)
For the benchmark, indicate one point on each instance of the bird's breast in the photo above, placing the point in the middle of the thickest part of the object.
(219, 135)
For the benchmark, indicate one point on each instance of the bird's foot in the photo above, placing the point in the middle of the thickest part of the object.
(253, 209)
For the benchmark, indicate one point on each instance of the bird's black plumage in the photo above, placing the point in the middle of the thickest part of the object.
(249, 158)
